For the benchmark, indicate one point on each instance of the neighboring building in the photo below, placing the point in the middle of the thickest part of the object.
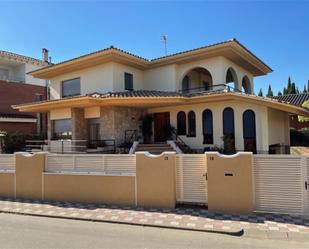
(205, 93)
(298, 100)
(15, 67)
(17, 87)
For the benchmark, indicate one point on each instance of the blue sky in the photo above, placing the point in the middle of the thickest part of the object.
(277, 31)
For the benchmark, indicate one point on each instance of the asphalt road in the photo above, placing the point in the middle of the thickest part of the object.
(18, 231)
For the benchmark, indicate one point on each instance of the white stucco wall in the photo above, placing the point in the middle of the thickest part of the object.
(94, 79)
(110, 76)
(118, 77)
(29, 78)
(261, 115)
(278, 123)
(161, 78)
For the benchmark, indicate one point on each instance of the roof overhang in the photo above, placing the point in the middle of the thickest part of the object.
(232, 50)
(147, 102)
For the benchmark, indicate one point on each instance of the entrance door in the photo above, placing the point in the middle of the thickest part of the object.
(161, 120)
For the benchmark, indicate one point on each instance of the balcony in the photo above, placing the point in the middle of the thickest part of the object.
(209, 89)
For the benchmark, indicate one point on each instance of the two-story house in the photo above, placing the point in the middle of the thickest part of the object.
(17, 87)
(205, 93)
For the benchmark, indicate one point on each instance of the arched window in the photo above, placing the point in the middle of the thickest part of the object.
(246, 85)
(207, 127)
(181, 123)
(228, 121)
(249, 131)
(196, 79)
(231, 80)
(191, 124)
(228, 131)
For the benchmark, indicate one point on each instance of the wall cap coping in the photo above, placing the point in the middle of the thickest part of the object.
(146, 153)
(229, 156)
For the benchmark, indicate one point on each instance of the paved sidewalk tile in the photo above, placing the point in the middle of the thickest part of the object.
(181, 218)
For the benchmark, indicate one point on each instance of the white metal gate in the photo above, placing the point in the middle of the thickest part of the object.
(190, 180)
(280, 183)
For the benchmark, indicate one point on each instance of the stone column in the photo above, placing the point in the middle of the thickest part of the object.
(79, 124)
(49, 127)
(107, 123)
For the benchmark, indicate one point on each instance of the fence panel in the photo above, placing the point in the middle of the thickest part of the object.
(7, 162)
(105, 164)
(279, 183)
(115, 164)
(191, 183)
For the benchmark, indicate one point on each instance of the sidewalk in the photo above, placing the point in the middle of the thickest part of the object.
(198, 219)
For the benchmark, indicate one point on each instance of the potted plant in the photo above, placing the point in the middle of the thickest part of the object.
(146, 127)
(229, 144)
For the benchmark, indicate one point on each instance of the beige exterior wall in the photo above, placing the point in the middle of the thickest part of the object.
(7, 184)
(60, 114)
(217, 110)
(230, 183)
(278, 127)
(90, 189)
(156, 180)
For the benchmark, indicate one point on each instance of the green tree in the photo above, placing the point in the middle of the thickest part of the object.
(305, 89)
(279, 93)
(269, 92)
(293, 89)
(285, 91)
(289, 86)
(260, 93)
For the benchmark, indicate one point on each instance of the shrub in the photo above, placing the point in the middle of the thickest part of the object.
(299, 138)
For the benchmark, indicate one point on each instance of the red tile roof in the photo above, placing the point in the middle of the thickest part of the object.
(293, 99)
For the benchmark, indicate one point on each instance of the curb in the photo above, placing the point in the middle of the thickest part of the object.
(236, 233)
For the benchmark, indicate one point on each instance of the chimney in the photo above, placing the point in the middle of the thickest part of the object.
(44, 55)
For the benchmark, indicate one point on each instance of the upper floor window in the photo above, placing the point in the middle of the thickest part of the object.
(128, 81)
(71, 87)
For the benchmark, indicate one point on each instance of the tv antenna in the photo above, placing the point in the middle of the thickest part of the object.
(164, 40)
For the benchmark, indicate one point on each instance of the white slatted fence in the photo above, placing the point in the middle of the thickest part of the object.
(105, 164)
(191, 183)
(7, 162)
(279, 185)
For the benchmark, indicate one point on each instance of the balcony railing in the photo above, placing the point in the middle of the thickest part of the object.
(12, 78)
(66, 146)
(214, 88)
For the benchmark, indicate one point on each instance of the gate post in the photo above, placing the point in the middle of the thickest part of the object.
(29, 175)
(156, 180)
(230, 182)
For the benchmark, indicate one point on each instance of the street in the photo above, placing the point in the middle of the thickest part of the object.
(17, 231)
